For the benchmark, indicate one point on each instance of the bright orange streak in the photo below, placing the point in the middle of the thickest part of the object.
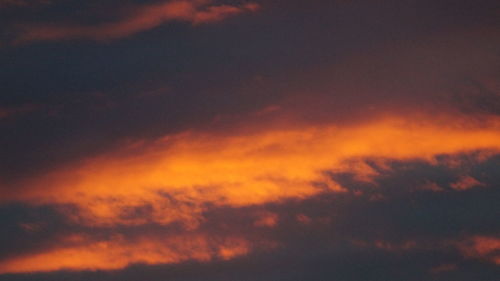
(178, 175)
(118, 253)
(240, 170)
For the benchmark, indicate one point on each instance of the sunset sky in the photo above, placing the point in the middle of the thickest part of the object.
(260, 140)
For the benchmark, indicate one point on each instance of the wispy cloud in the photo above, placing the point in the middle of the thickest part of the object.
(482, 247)
(81, 252)
(465, 183)
(143, 18)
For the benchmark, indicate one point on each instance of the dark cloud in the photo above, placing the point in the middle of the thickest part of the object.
(27, 229)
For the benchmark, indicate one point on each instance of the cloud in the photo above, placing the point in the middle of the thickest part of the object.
(181, 173)
(118, 253)
(482, 247)
(329, 233)
(328, 147)
(466, 182)
(177, 179)
(142, 18)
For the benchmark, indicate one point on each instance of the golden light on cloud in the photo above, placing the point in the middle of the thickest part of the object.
(118, 253)
(178, 174)
(174, 179)
(249, 140)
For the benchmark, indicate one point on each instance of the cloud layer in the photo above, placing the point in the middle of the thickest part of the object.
(440, 234)
(298, 140)
(176, 180)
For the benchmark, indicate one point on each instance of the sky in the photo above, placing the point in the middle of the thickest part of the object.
(257, 140)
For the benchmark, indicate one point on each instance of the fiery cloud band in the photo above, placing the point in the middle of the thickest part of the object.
(177, 177)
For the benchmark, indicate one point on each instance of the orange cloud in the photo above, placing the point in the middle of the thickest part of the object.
(117, 253)
(466, 182)
(303, 219)
(144, 18)
(483, 247)
(178, 176)
(266, 219)
(432, 186)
